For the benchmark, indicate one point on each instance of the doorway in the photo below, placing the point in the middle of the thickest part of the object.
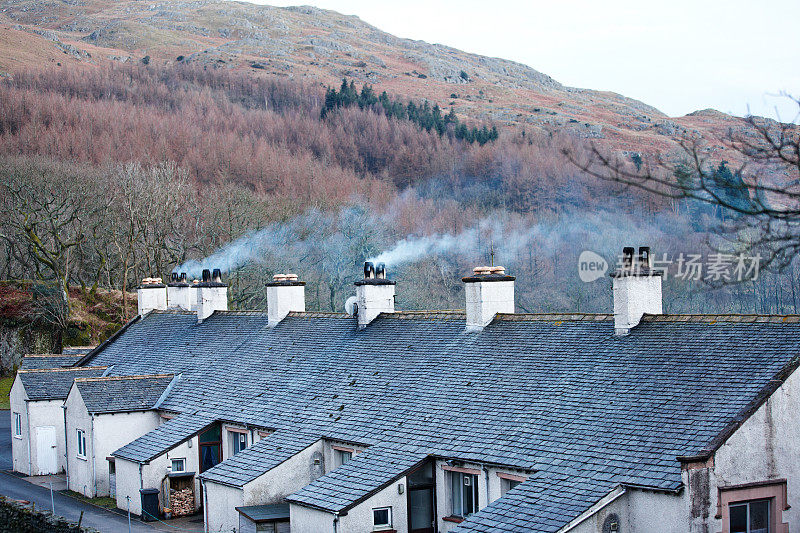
(46, 451)
(421, 500)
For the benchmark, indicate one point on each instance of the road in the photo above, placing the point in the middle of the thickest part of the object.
(70, 508)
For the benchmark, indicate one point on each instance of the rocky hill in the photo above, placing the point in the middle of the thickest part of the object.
(320, 46)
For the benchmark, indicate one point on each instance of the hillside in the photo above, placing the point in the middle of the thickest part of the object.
(321, 47)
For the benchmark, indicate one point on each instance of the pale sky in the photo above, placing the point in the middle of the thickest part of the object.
(679, 56)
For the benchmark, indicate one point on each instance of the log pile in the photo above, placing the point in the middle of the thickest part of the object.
(181, 502)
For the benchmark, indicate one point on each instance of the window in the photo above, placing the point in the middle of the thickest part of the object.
(18, 425)
(750, 517)
(508, 484)
(341, 456)
(382, 517)
(238, 441)
(81, 443)
(179, 465)
(464, 493)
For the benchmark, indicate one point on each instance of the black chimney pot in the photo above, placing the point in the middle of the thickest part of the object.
(206, 275)
(217, 275)
(380, 270)
(183, 277)
(173, 277)
(369, 270)
(644, 257)
(627, 256)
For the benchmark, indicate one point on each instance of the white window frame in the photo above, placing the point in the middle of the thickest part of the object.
(172, 464)
(235, 435)
(80, 452)
(388, 524)
(18, 425)
(474, 480)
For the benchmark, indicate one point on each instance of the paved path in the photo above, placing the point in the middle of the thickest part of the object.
(34, 489)
(5, 439)
(19, 489)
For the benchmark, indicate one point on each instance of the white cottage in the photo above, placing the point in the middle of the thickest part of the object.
(474, 421)
(37, 418)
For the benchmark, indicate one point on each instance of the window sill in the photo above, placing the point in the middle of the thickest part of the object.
(384, 529)
(18, 437)
(454, 519)
(82, 457)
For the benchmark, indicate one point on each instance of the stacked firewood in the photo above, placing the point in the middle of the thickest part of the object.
(182, 501)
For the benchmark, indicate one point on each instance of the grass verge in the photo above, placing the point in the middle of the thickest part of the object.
(105, 502)
(5, 390)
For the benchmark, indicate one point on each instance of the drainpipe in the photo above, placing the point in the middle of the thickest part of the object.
(28, 420)
(205, 505)
(335, 521)
(486, 474)
(141, 478)
(94, 470)
(66, 445)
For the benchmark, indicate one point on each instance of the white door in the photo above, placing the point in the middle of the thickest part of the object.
(46, 451)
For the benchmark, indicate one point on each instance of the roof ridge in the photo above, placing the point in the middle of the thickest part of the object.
(557, 316)
(44, 355)
(119, 378)
(67, 369)
(317, 314)
(722, 317)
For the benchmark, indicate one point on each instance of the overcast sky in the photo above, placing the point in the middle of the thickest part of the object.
(678, 55)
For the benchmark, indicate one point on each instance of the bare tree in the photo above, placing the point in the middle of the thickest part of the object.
(756, 202)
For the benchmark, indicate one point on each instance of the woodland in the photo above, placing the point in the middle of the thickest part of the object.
(109, 175)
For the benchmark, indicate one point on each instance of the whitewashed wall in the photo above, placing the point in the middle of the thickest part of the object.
(104, 435)
(19, 446)
(42, 414)
(307, 520)
(271, 487)
(359, 518)
(221, 503)
(153, 473)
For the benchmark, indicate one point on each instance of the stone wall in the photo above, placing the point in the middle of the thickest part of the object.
(18, 518)
(17, 340)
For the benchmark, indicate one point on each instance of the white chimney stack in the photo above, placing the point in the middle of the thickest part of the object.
(180, 294)
(489, 291)
(151, 296)
(212, 294)
(284, 295)
(637, 290)
(374, 294)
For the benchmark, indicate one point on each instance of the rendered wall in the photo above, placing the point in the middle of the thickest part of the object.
(271, 487)
(104, 435)
(307, 520)
(153, 474)
(765, 447)
(359, 518)
(47, 413)
(639, 512)
(128, 486)
(19, 446)
(221, 502)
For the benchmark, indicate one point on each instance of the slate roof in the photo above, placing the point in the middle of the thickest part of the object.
(358, 478)
(115, 394)
(259, 458)
(559, 395)
(54, 383)
(30, 362)
(261, 513)
(165, 437)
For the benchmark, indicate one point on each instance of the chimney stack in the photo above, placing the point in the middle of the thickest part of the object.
(179, 293)
(284, 295)
(637, 289)
(374, 294)
(151, 296)
(489, 291)
(212, 294)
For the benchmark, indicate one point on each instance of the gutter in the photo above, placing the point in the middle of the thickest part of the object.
(30, 457)
(66, 444)
(94, 469)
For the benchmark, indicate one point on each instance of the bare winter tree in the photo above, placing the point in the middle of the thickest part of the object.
(756, 201)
